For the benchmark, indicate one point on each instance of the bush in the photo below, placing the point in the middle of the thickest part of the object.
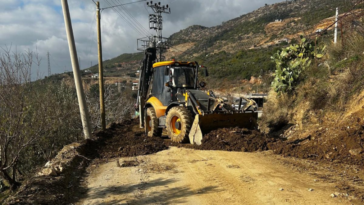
(291, 62)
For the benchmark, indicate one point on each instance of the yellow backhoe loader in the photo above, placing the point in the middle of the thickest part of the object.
(170, 97)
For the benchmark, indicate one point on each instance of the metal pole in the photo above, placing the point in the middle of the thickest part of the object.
(76, 72)
(101, 75)
(119, 87)
(336, 19)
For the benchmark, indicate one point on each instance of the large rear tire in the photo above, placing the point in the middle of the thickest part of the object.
(178, 124)
(151, 123)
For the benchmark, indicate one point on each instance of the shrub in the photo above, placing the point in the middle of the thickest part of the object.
(291, 62)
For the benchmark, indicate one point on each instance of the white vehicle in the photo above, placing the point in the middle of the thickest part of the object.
(246, 104)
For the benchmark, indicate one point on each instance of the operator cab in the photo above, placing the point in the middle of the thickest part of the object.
(180, 74)
(182, 77)
(169, 76)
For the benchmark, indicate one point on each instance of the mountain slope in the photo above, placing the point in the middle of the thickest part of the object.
(240, 48)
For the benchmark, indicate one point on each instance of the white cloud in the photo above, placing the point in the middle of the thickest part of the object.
(39, 24)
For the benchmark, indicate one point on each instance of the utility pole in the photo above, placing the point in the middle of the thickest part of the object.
(336, 19)
(49, 65)
(76, 71)
(101, 74)
(156, 23)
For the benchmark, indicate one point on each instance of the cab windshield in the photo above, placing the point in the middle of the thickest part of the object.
(184, 77)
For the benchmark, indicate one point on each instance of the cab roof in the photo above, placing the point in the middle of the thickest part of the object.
(172, 63)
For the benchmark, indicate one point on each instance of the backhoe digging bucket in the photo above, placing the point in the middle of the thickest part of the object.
(204, 124)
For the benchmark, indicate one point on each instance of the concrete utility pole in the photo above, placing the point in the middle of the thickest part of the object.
(76, 72)
(101, 73)
(336, 19)
(49, 65)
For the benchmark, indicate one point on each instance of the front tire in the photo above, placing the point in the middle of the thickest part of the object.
(151, 123)
(178, 124)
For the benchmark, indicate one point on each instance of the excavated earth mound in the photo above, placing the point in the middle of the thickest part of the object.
(127, 141)
(236, 139)
(342, 143)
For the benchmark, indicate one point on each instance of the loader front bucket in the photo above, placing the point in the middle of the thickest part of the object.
(204, 124)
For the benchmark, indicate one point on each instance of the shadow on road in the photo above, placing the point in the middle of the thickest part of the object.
(138, 193)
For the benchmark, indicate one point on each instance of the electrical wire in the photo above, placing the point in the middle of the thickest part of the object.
(132, 20)
(343, 16)
(125, 17)
(122, 16)
(145, 7)
(137, 26)
(122, 4)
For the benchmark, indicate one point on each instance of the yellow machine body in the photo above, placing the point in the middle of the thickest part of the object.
(159, 108)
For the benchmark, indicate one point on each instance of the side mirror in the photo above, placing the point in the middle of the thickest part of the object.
(206, 72)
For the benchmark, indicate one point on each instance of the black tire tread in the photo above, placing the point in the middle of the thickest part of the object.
(186, 121)
(155, 130)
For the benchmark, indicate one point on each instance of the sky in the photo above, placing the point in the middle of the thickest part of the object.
(38, 25)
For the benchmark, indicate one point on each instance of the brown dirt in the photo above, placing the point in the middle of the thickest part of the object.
(336, 144)
(236, 139)
(340, 143)
(126, 141)
(186, 176)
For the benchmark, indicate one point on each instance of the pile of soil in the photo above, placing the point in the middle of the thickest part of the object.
(342, 143)
(236, 139)
(340, 149)
(126, 140)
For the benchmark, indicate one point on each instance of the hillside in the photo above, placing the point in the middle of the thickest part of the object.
(241, 47)
(263, 30)
(126, 60)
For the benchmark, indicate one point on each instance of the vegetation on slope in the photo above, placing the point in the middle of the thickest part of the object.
(327, 90)
(114, 62)
(38, 118)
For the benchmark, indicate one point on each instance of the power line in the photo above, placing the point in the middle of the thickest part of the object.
(145, 7)
(342, 17)
(133, 20)
(121, 5)
(123, 16)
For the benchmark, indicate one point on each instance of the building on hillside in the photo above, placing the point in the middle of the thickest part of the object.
(135, 85)
(95, 76)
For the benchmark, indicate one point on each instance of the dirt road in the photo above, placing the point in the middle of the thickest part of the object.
(185, 176)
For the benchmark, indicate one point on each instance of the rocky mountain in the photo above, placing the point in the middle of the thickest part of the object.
(262, 27)
(241, 47)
